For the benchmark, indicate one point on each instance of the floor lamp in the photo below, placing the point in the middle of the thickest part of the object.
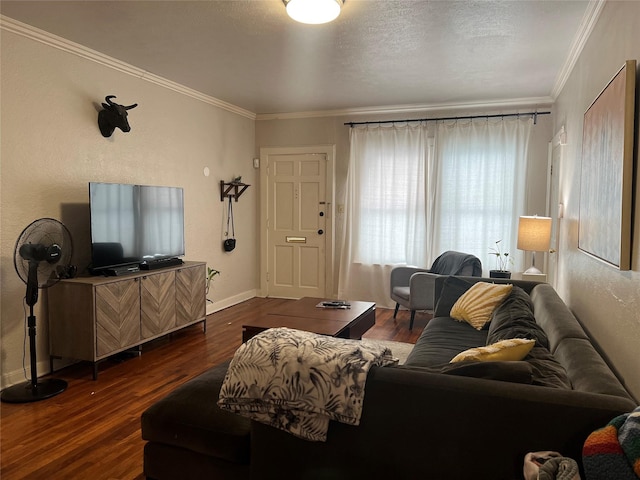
(534, 235)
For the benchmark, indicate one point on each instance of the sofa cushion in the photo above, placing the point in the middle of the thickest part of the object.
(402, 292)
(190, 418)
(504, 350)
(507, 371)
(442, 339)
(514, 372)
(554, 317)
(586, 369)
(514, 318)
(452, 289)
(546, 370)
(167, 462)
(477, 304)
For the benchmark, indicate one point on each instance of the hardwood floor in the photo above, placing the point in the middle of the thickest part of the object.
(92, 430)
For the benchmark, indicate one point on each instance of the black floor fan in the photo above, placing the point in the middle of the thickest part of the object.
(41, 257)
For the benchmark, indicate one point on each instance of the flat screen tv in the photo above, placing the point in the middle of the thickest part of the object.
(135, 225)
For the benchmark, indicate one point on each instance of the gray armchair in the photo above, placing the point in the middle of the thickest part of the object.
(413, 287)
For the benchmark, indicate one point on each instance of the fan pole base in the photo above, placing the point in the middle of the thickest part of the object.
(26, 392)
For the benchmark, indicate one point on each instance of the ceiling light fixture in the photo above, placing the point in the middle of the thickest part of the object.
(313, 11)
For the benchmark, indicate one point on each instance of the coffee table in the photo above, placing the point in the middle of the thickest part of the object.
(304, 315)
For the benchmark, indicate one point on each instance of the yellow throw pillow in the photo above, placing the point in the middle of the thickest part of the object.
(477, 304)
(514, 349)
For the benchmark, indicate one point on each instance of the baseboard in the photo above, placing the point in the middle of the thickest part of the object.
(213, 307)
(17, 376)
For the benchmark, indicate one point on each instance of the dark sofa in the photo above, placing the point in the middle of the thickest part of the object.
(422, 419)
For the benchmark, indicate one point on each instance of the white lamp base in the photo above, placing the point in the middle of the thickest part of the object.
(532, 271)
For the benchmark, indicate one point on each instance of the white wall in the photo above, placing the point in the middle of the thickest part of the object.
(51, 148)
(604, 299)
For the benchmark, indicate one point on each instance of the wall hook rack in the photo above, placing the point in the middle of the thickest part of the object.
(232, 190)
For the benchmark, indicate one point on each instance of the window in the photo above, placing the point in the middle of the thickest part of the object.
(481, 185)
(410, 197)
(389, 172)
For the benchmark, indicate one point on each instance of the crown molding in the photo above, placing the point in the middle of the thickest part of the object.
(539, 102)
(27, 31)
(587, 24)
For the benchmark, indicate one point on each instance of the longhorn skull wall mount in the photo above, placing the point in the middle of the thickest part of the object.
(112, 116)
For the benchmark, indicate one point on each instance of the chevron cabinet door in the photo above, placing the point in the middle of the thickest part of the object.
(190, 294)
(117, 316)
(157, 304)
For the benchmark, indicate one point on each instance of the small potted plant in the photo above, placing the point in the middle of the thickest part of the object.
(211, 272)
(502, 262)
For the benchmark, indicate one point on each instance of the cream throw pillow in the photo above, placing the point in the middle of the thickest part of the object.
(477, 304)
(514, 349)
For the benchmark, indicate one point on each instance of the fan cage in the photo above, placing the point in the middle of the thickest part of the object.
(47, 232)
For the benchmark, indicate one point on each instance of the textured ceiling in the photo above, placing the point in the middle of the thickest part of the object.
(378, 53)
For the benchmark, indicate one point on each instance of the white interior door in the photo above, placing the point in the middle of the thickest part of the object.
(553, 203)
(298, 223)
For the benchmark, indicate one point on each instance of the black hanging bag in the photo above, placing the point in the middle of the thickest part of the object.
(230, 243)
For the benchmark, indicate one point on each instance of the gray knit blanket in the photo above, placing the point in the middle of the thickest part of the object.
(297, 381)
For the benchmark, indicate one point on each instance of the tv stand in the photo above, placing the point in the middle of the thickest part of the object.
(92, 318)
(161, 263)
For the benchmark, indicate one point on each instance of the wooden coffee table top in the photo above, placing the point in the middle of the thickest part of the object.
(304, 315)
(306, 307)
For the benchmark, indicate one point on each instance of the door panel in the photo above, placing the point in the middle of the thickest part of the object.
(157, 303)
(283, 266)
(309, 203)
(117, 316)
(283, 212)
(190, 294)
(310, 262)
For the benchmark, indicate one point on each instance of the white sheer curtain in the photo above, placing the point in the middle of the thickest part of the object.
(408, 199)
(481, 170)
(388, 206)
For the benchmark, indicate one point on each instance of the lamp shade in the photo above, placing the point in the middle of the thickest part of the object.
(313, 11)
(534, 233)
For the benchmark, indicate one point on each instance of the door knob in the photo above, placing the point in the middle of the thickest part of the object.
(320, 232)
(322, 214)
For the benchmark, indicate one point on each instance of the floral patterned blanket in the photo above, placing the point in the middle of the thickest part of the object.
(297, 381)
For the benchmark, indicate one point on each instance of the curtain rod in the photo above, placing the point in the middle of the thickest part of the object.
(470, 117)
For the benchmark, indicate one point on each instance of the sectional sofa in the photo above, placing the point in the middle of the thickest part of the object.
(424, 419)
